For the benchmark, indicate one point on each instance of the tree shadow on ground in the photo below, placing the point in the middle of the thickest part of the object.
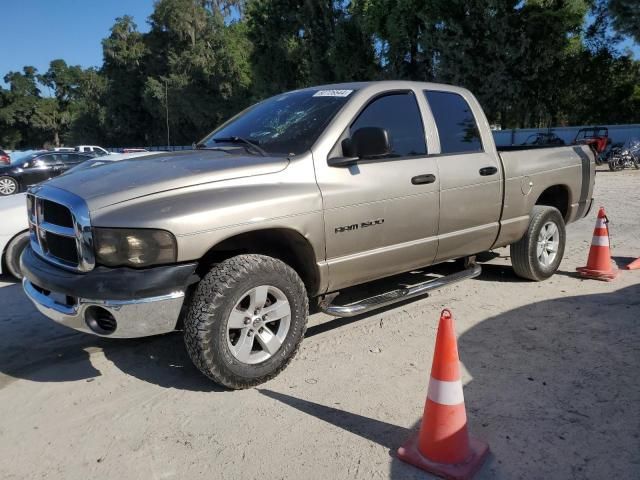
(553, 390)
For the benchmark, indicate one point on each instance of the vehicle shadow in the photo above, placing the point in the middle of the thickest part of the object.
(35, 348)
(5, 278)
(553, 390)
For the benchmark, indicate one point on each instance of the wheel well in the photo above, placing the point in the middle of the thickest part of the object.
(556, 196)
(286, 245)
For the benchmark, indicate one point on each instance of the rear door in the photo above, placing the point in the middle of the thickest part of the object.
(470, 177)
(381, 216)
(70, 160)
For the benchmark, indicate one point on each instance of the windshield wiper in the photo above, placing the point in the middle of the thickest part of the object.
(243, 140)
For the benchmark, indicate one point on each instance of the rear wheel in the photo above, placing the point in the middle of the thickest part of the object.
(8, 186)
(246, 320)
(538, 254)
(12, 254)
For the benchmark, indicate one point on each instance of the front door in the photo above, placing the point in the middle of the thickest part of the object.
(381, 216)
(38, 170)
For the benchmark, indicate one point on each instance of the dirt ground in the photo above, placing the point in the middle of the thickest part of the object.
(550, 372)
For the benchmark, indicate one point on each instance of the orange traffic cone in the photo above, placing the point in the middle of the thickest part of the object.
(599, 265)
(633, 265)
(443, 446)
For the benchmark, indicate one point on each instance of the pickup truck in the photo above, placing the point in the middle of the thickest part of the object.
(290, 202)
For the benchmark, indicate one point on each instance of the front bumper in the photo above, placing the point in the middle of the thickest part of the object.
(118, 302)
(110, 318)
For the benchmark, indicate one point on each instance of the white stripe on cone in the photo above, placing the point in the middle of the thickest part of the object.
(600, 241)
(601, 223)
(445, 393)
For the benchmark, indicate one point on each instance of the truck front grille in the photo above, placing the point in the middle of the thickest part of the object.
(61, 247)
(59, 228)
(56, 214)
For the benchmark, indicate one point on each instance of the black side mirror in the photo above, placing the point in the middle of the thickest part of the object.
(365, 143)
(370, 142)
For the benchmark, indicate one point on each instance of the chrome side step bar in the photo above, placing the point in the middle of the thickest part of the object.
(398, 295)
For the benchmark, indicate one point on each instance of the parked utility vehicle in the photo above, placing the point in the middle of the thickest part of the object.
(296, 198)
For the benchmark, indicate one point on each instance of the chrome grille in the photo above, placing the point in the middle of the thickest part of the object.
(60, 228)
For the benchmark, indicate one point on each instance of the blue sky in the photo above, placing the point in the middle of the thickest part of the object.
(34, 32)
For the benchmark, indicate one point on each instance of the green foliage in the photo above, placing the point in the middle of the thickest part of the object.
(626, 17)
(530, 63)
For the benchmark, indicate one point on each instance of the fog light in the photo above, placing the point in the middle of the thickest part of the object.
(100, 320)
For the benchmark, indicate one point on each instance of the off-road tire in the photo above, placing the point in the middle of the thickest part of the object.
(12, 254)
(205, 324)
(524, 258)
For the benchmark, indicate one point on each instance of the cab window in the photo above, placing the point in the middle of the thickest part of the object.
(457, 127)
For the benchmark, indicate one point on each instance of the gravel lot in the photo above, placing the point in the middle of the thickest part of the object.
(550, 372)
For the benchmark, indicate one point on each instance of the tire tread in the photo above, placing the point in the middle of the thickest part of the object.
(211, 295)
(521, 259)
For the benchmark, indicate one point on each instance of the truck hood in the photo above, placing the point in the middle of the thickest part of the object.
(124, 180)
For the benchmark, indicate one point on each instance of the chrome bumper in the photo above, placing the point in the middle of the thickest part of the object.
(141, 317)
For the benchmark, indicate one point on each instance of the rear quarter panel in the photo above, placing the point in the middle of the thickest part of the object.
(528, 173)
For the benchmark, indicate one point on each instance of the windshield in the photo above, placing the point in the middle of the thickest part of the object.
(287, 124)
(21, 157)
(632, 143)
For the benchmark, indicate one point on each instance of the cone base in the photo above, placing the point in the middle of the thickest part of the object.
(409, 453)
(607, 276)
(633, 265)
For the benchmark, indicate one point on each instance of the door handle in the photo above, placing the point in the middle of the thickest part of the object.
(423, 179)
(486, 171)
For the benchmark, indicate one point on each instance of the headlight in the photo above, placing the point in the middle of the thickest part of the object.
(129, 247)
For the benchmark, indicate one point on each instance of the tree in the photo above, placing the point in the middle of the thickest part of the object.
(529, 62)
(54, 115)
(17, 106)
(125, 53)
(198, 70)
(626, 17)
(88, 111)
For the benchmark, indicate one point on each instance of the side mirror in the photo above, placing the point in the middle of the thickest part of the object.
(365, 143)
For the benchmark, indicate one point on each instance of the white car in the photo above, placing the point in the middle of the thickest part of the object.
(14, 233)
(91, 149)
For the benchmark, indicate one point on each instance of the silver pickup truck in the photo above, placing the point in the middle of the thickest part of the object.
(293, 200)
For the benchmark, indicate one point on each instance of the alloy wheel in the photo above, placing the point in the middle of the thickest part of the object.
(258, 324)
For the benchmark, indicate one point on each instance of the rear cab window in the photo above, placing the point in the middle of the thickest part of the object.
(457, 127)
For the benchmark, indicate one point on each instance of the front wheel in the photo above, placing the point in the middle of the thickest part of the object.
(538, 254)
(8, 186)
(246, 320)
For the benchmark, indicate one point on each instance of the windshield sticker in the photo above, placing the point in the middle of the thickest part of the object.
(332, 93)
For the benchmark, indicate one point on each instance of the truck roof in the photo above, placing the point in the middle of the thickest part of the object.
(384, 85)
